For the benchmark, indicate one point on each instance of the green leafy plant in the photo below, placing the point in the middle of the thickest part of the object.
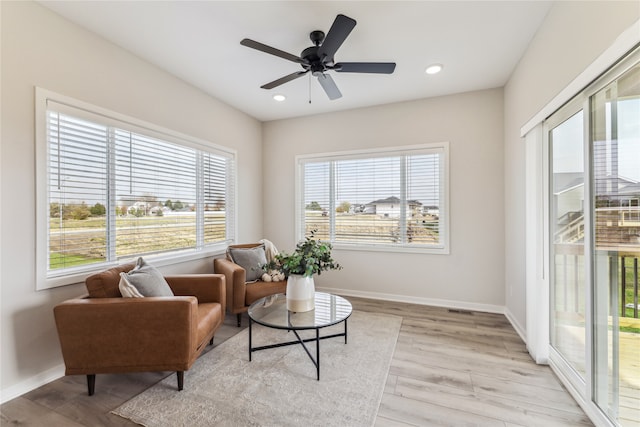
(310, 257)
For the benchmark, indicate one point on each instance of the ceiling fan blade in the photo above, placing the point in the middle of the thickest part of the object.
(365, 67)
(271, 50)
(283, 80)
(329, 86)
(340, 29)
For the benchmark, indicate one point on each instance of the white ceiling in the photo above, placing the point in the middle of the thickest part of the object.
(479, 43)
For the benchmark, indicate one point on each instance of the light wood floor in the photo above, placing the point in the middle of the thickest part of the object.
(449, 369)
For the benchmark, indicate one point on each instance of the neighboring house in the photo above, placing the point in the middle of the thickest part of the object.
(619, 215)
(568, 191)
(568, 194)
(613, 185)
(159, 210)
(390, 207)
(630, 192)
(148, 208)
(431, 210)
(138, 206)
(618, 208)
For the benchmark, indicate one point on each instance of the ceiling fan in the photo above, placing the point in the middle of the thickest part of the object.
(318, 59)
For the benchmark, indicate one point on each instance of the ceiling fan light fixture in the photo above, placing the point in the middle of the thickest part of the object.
(319, 58)
(433, 69)
(279, 97)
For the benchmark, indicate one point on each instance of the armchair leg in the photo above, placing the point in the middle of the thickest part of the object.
(211, 341)
(239, 317)
(180, 380)
(91, 383)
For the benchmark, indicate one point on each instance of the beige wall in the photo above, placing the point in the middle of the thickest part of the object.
(41, 49)
(472, 275)
(572, 36)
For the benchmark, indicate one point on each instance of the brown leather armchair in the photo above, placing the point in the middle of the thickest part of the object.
(104, 333)
(240, 293)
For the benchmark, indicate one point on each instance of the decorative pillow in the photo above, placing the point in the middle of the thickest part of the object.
(250, 259)
(144, 281)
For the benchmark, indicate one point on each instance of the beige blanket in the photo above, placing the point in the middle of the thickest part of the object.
(270, 249)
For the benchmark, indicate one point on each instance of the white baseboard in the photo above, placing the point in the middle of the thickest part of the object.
(516, 325)
(32, 383)
(460, 305)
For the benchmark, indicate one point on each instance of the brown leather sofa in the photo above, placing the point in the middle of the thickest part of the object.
(240, 293)
(104, 333)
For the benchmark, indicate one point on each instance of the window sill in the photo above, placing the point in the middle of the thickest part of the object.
(161, 260)
(432, 250)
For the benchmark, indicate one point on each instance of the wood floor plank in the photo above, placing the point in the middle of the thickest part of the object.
(94, 412)
(24, 412)
(528, 393)
(420, 413)
(488, 406)
(452, 342)
(463, 330)
(452, 378)
(506, 369)
(386, 422)
(390, 385)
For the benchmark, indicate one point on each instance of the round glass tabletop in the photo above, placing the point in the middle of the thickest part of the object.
(272, 311)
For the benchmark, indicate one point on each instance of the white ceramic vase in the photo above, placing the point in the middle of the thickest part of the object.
(301, 291)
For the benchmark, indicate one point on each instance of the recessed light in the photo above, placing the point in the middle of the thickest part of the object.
(433, 69)
(279, 97)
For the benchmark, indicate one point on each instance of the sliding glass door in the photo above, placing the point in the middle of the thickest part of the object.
(567, 222)
(594, 226)
(615, 139)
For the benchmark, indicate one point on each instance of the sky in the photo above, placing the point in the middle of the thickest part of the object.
(568, 141)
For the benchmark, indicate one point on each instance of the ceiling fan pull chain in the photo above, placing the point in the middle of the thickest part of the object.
(309, 88)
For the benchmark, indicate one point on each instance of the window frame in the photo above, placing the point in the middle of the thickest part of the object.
(45, 279)
(443, 147)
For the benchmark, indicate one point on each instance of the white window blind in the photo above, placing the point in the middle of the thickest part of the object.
(77, 165)
(393, 198)
(115, 191)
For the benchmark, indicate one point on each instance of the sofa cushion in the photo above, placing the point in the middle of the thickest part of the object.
(105, 284)
(250, 259)
(143, 281)
(255, 291)
(210, 316)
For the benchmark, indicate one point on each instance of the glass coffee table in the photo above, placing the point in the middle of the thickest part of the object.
(272, 312)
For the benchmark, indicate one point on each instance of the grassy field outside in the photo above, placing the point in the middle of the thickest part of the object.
(125, 221)
(80, 242)
(371, 228)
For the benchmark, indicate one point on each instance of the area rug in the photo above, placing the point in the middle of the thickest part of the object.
(279, 386)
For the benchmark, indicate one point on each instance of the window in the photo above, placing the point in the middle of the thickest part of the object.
(391, 199)
(112, 188)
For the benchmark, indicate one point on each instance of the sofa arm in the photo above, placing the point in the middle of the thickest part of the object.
(235, 281)
(205, 287)
(103, 335)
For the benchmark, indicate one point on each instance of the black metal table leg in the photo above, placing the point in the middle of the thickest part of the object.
(250, 322)
(318, 352)
(345, 331)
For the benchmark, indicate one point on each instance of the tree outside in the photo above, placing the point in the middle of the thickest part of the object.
(344, 207)
(313, 206)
